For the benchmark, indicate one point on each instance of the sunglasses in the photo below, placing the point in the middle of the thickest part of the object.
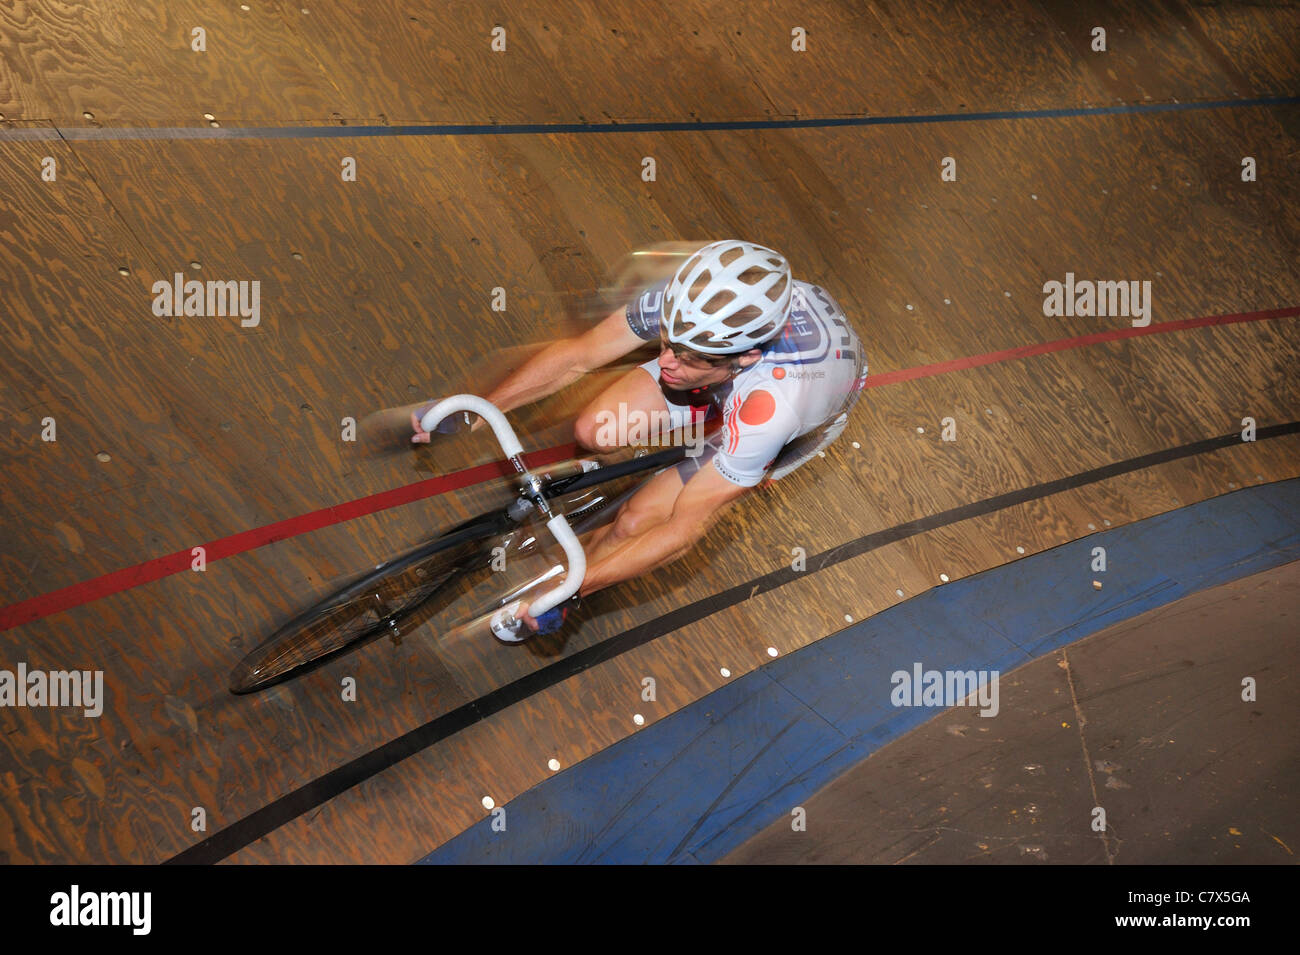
(691, 359)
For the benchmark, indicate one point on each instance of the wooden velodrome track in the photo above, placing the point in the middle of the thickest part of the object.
(174, 432)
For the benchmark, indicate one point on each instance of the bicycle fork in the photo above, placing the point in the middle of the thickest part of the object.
(508, 627)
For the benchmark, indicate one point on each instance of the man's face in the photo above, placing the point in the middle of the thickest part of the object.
(681, 369)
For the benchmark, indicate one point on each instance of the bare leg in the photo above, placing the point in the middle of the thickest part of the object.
(635, 391)
(651, 505)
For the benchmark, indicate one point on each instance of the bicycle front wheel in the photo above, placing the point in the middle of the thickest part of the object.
(370, 607)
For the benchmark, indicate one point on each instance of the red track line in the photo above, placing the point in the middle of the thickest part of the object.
(1028, 351)
(75, 595)
(119, 580)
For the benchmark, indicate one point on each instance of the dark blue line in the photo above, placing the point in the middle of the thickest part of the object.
(95, 133)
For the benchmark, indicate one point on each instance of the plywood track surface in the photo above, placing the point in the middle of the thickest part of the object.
(378, 292)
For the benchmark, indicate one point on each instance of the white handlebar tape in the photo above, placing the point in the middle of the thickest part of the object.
(485, 410)
(577, 568)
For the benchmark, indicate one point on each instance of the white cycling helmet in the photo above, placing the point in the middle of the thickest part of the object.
(729, 297)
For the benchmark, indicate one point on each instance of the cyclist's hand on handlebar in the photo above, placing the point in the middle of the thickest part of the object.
(459, 421)
(553, 619)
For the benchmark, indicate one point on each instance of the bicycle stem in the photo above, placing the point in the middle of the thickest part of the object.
(556, 523)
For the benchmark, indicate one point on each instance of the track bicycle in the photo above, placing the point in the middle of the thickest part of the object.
(402, 594)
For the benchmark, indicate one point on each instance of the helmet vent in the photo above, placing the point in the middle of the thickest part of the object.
(743, 317)
(699, 285)
(719, 301)
(731, 254)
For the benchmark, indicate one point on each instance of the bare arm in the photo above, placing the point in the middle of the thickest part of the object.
(556, 366)
(564, 362)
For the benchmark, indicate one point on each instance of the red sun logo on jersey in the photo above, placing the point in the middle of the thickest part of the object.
(778, 373)
(758, 408)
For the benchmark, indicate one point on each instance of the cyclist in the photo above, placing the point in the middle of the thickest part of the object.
(737, 334)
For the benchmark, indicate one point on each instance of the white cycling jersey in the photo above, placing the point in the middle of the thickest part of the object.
(812, 375)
